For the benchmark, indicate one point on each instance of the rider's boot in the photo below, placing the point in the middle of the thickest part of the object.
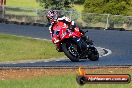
(58, 48)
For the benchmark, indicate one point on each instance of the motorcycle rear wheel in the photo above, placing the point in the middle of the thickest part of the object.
(94, 56)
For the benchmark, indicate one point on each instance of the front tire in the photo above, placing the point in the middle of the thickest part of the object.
(72, 57)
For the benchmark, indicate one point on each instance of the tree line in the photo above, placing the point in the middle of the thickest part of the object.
(115, 7)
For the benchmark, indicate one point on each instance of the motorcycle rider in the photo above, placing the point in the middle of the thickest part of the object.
(53, 17)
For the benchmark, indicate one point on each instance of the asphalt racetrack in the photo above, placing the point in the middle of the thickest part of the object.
(119, 42)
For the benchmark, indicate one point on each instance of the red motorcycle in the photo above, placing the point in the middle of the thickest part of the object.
(72, 44)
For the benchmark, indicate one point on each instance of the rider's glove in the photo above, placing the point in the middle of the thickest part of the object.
(71, 28)
(82, 32)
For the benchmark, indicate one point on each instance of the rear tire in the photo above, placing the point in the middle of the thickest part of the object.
(94, 56)
(68, 54)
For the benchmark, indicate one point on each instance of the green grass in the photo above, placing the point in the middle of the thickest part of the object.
(23, 3)
(78, 8)
(13, 48)
(67, 81)
(32, 4)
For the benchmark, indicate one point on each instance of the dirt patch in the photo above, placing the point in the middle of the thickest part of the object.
(8, 74)
(29, 73)
(110, 70)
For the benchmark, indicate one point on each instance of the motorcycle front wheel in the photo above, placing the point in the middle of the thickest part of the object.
(70, 51)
